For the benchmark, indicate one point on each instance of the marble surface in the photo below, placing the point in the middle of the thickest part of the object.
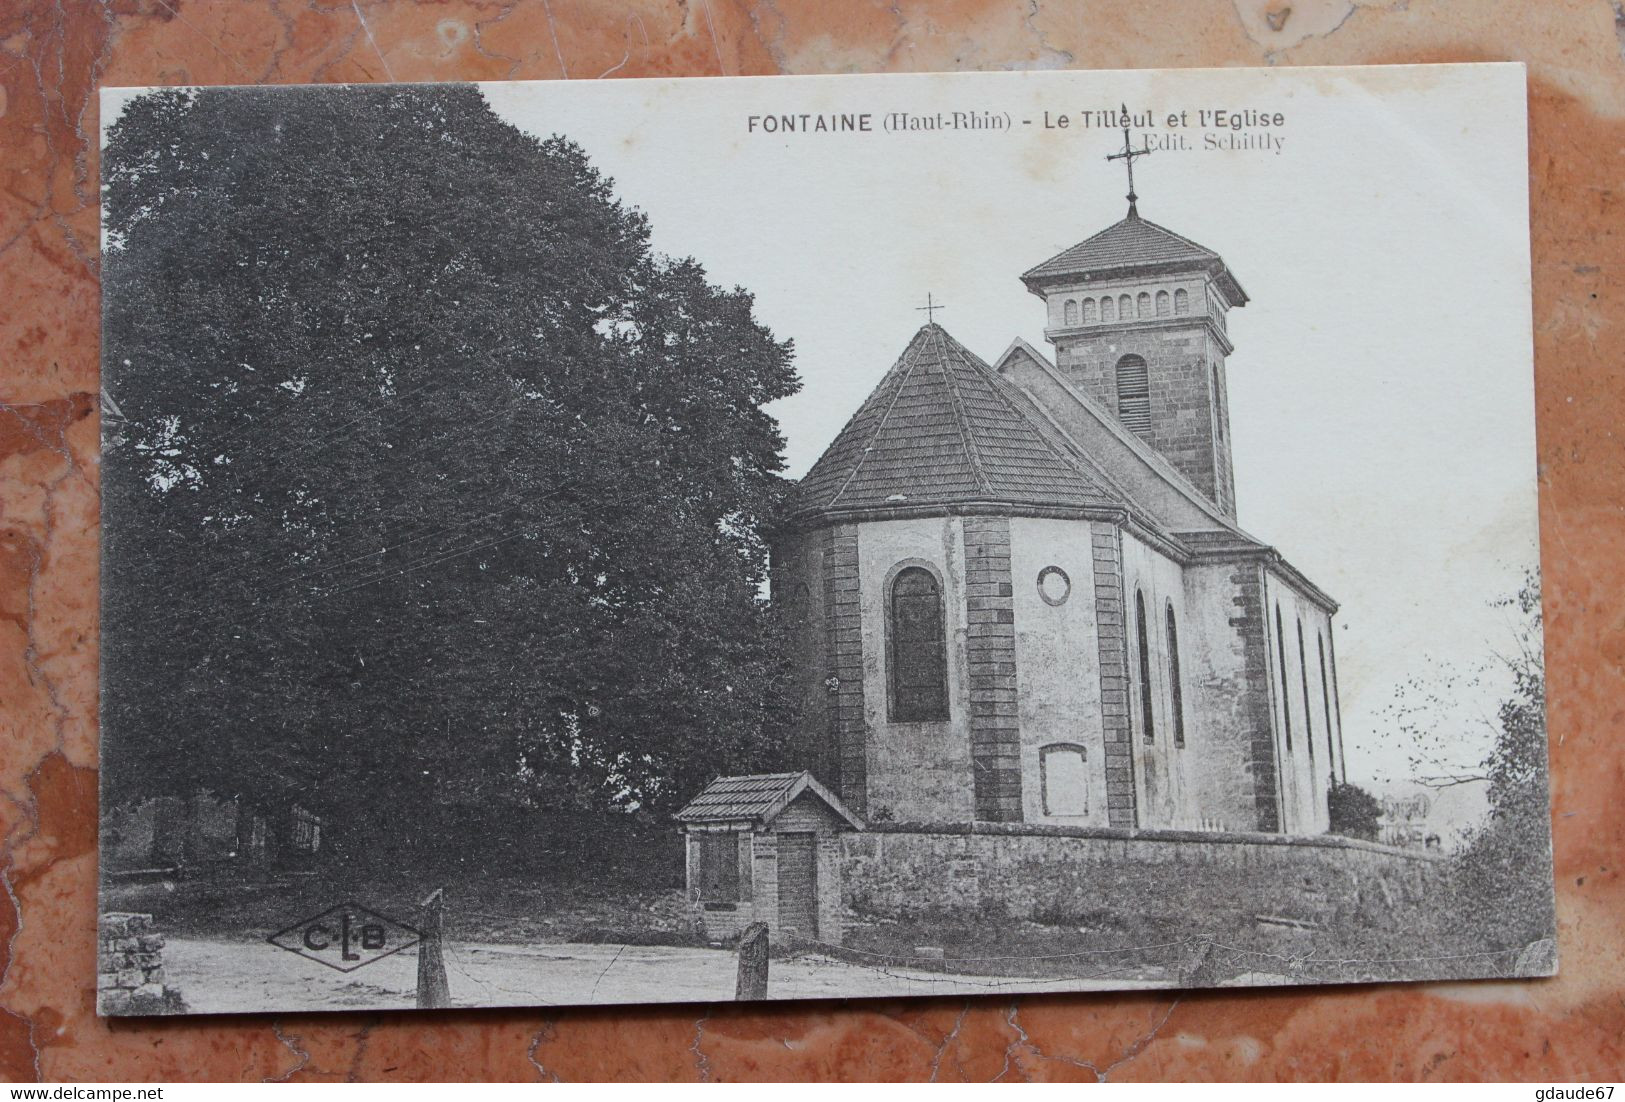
(54, 53)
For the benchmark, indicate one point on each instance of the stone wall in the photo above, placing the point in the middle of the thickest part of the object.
(130, 975)
(1138, 879)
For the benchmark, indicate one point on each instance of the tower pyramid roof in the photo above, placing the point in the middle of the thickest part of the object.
(944, 428)
(1130, 246)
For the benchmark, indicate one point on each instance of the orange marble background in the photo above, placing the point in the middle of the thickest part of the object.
(53, 55)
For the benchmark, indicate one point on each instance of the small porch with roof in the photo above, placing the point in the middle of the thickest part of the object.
(766, 848)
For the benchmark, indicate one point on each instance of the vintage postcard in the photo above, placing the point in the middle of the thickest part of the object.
(634, 541)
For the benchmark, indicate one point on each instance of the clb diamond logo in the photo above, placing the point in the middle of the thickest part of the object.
(346, 937)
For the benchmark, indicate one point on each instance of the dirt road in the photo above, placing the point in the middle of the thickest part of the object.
(232, 977)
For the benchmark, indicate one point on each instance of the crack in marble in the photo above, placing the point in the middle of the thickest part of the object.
(716, 43)
(362, 1039)
(1010, 1020)
(1102, 1075)
(546, 1033)
(950, 1038)
(274, 63)
(627, 34)
(320, 73)
(288, 1042)
(1056, 57)
(702, 1062)
(355, 6)
(553, 29)
(514, 63)
(1140, 1045)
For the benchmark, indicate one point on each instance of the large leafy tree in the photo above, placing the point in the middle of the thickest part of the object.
(427, 483)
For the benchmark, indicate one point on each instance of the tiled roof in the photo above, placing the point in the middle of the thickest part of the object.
(1130, 244)
(738, 797)
(757, 797)
(943, 428)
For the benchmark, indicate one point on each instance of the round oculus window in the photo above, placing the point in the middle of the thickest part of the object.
(1053, 585)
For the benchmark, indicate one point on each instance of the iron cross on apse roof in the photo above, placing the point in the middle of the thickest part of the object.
(1127, 157)
(930, 309)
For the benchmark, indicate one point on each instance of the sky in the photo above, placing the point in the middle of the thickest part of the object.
(1381, 390)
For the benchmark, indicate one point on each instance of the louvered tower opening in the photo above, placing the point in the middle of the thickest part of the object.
(1134, 395)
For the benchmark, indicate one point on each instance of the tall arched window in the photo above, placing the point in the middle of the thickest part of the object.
(919, 651)
(1147, 719)
(1063, 778)
(1069, 312)
(1090, 311)
(1134, 394)
(1308, 720)
(1164, 304)
(1125, 307)
(1174, 679)
(1182, 301)
(1280, 655)
(1326, 700)
(1108, 309)
(1142, 304)
(1218, 408)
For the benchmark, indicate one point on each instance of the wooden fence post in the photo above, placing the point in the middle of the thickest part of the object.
(752, 982)
(433, 990)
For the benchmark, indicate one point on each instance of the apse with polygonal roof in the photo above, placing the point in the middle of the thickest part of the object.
(1019, 589)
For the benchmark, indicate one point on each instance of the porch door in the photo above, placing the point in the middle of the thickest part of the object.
(798, 884)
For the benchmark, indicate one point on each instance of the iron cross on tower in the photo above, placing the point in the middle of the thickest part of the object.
(1127, 157)
(930, 308)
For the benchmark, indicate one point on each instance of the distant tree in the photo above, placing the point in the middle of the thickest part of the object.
(1502, 874)
(1438, 720)
(1505, 868)
(1354, 812)
(434, 486)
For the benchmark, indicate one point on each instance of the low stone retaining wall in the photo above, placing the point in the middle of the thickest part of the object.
(130, 967)
(1080, 876)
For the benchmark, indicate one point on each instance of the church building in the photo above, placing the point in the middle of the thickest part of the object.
(1020, 591)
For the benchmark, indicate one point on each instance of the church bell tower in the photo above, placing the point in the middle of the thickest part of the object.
(1137, 317)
